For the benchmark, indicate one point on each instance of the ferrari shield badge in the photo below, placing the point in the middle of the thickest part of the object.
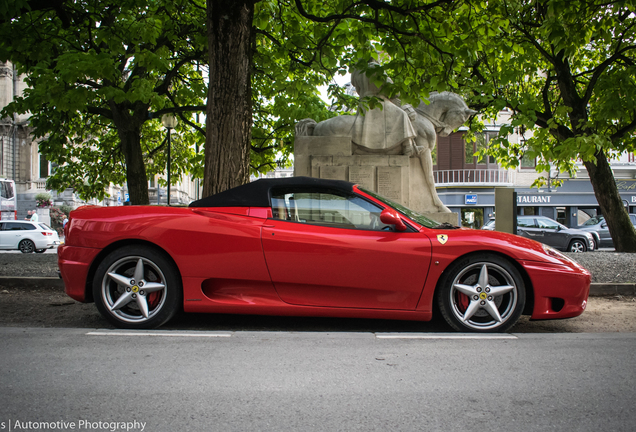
(442, 238)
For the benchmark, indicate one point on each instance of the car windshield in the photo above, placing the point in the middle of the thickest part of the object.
(413, 215)
(594, 220)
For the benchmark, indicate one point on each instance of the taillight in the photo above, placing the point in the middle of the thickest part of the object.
(44, 233)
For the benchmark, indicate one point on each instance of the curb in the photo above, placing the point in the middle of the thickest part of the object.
(28, 282)
(31, 282)
(622, 289)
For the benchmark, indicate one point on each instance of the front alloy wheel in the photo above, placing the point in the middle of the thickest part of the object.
(577, 246)
(137, 287)
(482, 294)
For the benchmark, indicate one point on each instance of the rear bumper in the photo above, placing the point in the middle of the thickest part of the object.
(559, 291)
(74, 263)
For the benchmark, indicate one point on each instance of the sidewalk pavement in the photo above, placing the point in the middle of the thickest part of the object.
(596, 289)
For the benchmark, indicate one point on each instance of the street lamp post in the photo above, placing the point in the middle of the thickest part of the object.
(169, 121)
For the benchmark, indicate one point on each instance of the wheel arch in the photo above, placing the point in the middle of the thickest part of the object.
(88, 288)
(529, 306)
(580, 238)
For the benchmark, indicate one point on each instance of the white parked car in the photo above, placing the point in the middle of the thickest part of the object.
(27, 236)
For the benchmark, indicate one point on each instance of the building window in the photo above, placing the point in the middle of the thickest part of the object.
(469, 151)
(45, 167)
(528, 162)
(481, 143)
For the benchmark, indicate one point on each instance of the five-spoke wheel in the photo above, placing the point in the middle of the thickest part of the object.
(137, 287)
(482, 293)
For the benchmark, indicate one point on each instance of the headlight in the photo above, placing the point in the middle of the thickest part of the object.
(549, 250)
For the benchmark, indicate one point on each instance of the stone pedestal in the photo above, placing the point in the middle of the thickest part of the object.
(44, 216)
(393, 176)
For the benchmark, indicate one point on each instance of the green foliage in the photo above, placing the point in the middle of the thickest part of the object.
(565, 70)
(94, 85)
(43, 200)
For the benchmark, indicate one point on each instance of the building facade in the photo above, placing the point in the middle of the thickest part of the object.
(466, 185)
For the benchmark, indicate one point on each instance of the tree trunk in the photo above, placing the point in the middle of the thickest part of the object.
(136, 178)
(129, 132)
(620, 227)
(229, 109)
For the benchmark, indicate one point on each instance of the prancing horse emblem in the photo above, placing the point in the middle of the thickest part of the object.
(442, 238)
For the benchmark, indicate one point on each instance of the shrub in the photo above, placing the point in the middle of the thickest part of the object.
(43, 200)
(57, 217)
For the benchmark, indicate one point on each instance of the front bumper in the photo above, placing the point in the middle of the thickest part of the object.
(559, 291)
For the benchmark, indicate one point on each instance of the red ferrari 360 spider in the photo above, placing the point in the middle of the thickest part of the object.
(309, 247)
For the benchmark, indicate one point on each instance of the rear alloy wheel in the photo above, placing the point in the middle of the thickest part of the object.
(482, 293)
(137, 287)
(577, 246)
(26, 246)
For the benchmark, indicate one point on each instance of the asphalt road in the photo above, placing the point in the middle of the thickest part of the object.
(283, 381)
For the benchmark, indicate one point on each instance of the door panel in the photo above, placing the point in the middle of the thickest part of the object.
(338, 267)
(552, 235)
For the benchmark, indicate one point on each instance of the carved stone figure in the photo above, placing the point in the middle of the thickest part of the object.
(381, 128)
(444, 113)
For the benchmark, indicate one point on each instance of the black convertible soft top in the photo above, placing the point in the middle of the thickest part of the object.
(258, 193)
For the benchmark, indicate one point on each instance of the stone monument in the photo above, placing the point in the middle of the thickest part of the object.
(386, 149)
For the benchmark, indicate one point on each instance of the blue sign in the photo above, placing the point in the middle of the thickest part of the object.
(471, 199)
(126, 197)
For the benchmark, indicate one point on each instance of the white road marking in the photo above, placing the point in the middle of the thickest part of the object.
(443, 336)
(430, 336)
(162, 334)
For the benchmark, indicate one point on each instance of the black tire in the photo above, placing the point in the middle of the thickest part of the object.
(122, 299)
(26, 246)
(577, 245)
(464, 299)
(40, 250)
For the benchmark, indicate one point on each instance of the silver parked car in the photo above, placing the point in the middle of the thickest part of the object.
(490, 225)
(27, 236)
(550, 232)
(598, 228)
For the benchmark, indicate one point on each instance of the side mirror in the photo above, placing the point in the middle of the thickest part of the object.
(391, 217)
(604, 225)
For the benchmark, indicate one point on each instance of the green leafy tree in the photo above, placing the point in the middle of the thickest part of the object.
(98, 73)
(566, 69)
(267, 57)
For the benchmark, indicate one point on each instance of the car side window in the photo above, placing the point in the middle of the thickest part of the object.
(526, 222)
(28, 226)
(12, 226)
(328, 209)
(547, 224)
